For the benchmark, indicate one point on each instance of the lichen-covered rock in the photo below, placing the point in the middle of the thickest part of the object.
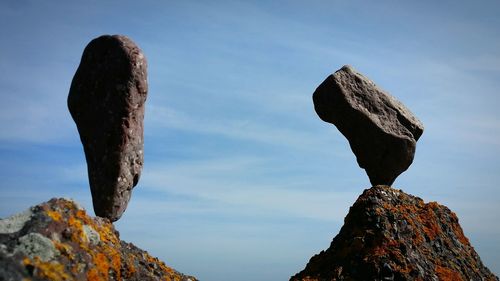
(381, 131)
(106, 101)
(390, 235)
(57, 240)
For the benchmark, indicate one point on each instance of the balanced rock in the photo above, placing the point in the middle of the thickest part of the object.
(106, 101)
(381, 131)
(58, 240)
(391, 235)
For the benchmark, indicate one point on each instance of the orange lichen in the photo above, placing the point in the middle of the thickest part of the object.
(425, 216)
(47, 270)
(447, 274)
(105, 255)
(458, 231)
(90, 259)
(429, 220)
(409, 214)
(162, 266)
(379, 251)
(129, 267)
(102, 265)
(309, 278)
(105, 230)
(406, 269)
(77, 233)
(63, 248)
(167, 273)
(93, 275)
(116, 262)
(413, 237)
(54, 215)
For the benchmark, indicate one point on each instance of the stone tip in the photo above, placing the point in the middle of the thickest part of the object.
(346, 67)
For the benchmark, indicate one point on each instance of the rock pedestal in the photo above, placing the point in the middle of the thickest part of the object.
(57, 240)
(106, 101)
(391, 235)
(381, 131)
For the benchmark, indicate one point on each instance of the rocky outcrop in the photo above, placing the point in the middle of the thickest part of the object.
(381, 131)
(106, 101)
(390, 235)
(57, 240)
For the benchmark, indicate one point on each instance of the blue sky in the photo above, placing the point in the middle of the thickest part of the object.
(242, 181)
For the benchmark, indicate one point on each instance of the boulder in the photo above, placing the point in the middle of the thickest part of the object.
(106, 101)
(381, 131)
(391, 235)
(57, 240)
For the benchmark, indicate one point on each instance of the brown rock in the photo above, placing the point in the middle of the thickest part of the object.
(390, 235)
(381, 131)
(57, 240)
(106, 101)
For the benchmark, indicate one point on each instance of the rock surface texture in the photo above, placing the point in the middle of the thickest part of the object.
(106, 101)
(390, 235)
(57, 240)
(381, 131)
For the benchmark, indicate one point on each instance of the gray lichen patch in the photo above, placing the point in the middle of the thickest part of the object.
(16, 222)
(93, 236)
(36, 245)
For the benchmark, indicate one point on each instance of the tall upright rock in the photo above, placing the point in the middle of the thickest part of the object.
(106, 101)
(391, 235)
(381, 131)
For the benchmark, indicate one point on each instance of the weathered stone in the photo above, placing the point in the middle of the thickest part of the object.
(106, 101)
(59, 241)
(392, 235)
(36, 245)
(381, 131)
(15, 223)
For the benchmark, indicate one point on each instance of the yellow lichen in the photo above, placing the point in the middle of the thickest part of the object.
(64, 249)
(54, 215)
(97, 261)
(93, 275)
(77, 230)
(116, 263)
(102, 265)
(129, 267)
(47, 270)
(105, 255)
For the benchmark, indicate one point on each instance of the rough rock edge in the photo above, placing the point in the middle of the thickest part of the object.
(381, 131)
(107, 102)
(413, 131)
(391, 235)
(60, 241)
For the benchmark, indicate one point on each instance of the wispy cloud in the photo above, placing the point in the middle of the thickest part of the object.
(233, 184)
(161, 117)
(236, 160)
